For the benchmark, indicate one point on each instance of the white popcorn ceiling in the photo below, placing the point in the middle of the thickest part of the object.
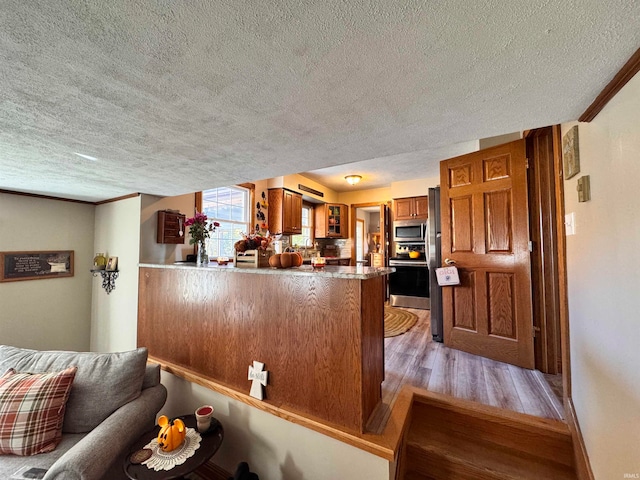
(178, 96)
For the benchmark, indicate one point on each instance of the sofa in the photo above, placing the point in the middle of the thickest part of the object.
(113, 399)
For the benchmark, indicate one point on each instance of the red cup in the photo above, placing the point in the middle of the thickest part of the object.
(203, 417)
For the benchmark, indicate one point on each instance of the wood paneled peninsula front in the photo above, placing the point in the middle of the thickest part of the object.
(320, 334)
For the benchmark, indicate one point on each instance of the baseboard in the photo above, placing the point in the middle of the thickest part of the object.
(580, 455)
(211, 471)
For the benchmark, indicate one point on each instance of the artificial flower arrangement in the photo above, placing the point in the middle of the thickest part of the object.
(199, 228)
(253, 242)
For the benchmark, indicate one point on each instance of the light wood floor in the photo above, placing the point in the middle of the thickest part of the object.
(415, 359)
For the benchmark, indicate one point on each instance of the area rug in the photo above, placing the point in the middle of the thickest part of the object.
(397, 321)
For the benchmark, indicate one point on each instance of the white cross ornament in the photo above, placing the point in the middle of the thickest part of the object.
(259, 377)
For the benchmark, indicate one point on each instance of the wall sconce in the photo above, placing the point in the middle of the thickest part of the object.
(353, 179)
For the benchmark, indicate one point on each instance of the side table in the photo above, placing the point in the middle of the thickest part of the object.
(211, 441)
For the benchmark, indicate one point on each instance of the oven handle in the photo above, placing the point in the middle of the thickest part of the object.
(407, 263)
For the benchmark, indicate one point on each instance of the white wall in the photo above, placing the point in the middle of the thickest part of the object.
(603, 261)
(150, 250)
(114, 317)
(380, 195)
(274, 448)
(413, 188)
(52, 314)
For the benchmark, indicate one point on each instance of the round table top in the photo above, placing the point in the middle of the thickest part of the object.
(211, 441)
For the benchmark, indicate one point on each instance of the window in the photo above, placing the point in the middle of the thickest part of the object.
(230, 207)
(305, 239)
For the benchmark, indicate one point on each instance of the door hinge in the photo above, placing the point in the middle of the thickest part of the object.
(526, 163)
(530, 246)
(535, 331)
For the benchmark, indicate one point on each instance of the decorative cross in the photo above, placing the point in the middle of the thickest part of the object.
(259, 377)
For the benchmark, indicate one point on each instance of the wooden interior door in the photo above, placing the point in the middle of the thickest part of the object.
(485, 231)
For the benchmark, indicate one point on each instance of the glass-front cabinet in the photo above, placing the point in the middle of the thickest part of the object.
(332, 220)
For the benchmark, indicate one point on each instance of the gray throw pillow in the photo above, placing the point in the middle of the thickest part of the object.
(104, 381)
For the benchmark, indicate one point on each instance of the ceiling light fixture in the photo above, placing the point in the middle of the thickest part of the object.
(353, 179)
(86, 157)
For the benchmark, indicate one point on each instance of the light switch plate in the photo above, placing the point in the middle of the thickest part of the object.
(570, 223)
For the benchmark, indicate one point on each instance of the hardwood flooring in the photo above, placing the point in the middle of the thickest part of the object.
(415, 359)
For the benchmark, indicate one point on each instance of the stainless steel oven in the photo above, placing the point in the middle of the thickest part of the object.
(409, 231)
(409, 284)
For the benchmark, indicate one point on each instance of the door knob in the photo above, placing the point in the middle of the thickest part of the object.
(449, 262)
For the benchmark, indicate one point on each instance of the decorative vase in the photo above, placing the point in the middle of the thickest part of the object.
(99, 261)
(201, 256)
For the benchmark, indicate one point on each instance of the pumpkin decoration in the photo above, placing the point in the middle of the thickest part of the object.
(274, 261)
(298, 260)
(172, 433)
(286, 259)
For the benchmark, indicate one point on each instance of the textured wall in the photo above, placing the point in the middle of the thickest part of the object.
(53, 313)
(603, 263)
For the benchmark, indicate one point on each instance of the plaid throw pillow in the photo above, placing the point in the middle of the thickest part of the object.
(32, 410)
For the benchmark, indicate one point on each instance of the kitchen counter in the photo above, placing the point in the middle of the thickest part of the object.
(358, 272)
(320, 333)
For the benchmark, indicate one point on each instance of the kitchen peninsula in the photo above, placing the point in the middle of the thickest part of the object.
(320, 334)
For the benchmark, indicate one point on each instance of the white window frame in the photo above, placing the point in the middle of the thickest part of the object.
(220, 242)
(305, 239)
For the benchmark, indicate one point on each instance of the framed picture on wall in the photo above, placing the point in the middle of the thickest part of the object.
(571, 153)
(36, 265)
(112, 264)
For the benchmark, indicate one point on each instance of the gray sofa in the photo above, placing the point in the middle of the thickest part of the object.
(114, 399)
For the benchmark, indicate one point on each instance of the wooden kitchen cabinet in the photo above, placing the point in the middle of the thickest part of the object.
(285, 211)
(171, 228)
(411, 208)
(332, 220)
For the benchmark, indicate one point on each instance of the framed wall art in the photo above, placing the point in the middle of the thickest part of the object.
(15, 266)
(571, 153)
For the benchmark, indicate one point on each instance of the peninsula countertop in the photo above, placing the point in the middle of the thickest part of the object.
(358, 272)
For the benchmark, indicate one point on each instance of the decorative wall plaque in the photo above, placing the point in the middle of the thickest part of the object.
(15, 266)
(571, 153)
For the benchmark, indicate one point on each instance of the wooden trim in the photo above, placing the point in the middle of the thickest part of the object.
(385, 445)
(117, 199)
(45, 197)
(621, 78)
(352, 225)
(580, 455)
(561, 252)
(544, 257)
(198, 202)
(211, 471)
(488, 412)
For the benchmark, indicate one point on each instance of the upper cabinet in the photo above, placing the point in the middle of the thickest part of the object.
(285, 211)
(332, 220)
(411, 208)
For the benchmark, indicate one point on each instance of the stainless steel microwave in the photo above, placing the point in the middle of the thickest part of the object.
(409, 231)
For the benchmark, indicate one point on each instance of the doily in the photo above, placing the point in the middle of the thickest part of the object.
(160, 460)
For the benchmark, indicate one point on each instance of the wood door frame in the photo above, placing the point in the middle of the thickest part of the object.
(352, 224)
(541, 176)
(560, 256)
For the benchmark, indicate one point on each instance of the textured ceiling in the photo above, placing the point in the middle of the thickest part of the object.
(173, 97)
